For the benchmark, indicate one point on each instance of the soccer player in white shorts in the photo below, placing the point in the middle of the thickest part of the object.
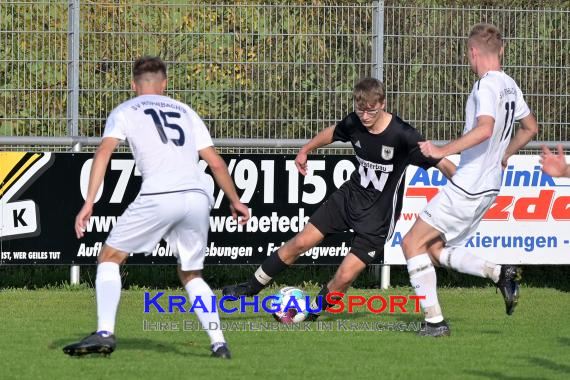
(439, 234)
(167, 138)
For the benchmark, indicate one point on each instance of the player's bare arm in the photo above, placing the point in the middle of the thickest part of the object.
(220, 171)
(483, 131)
(528, 129)
(100, 162)
(323, 138)
(554, 164)
(447, 168)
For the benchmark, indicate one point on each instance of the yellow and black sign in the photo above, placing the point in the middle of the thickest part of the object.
(18, 170)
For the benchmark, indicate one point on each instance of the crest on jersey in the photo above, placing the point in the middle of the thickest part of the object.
(387, 152)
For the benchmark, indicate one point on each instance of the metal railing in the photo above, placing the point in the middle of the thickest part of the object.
(264, 77)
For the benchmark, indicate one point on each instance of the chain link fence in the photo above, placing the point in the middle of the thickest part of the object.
(260, 71)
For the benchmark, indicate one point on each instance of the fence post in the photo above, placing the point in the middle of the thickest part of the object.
(73, 95)
(74, 270)
(382, 275)
(73, 69)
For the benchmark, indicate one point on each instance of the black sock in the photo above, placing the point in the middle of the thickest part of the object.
(324, 304)
(270, 268)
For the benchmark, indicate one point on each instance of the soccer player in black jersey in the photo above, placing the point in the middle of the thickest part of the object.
(369, 203)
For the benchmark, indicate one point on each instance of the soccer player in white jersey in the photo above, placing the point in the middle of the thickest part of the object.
(442, 229)
(167, 138)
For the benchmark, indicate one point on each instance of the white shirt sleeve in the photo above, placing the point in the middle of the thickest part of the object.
(201, 134)
(521, 108)
(115, 127)
(486, 99)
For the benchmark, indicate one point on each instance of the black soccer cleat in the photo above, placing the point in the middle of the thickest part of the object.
(435, 330)
(312, 317)
(221, 350)
(508, 284)
(243, 289)
(93, 344)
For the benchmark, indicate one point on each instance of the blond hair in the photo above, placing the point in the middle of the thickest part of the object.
(487, 38)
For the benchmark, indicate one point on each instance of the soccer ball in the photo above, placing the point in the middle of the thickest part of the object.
(284, 301)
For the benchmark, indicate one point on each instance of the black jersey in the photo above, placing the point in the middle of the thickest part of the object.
(375, 190)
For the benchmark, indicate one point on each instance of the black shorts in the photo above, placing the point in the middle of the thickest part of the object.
(341, 212)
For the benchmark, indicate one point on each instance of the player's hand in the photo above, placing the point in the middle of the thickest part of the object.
(505, 162)
(82, 218)
(241, 210)
(430, 150)
(301, 162)
(553, 164)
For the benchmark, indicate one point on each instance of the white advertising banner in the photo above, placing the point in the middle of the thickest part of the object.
(528, 224)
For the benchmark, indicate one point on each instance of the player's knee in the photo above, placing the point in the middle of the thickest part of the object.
(301, 244)
(408, 245)
(187, 276)
(109, 254)
(342, 280)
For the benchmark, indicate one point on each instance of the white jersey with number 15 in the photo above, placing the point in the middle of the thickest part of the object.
(165, 136)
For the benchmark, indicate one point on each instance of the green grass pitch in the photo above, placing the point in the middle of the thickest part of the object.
(485, 343)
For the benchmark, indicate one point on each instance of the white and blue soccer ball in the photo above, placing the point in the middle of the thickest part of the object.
(292, 304)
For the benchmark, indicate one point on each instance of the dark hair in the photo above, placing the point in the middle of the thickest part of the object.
(486, 37)
(148, 64)
(368, 91)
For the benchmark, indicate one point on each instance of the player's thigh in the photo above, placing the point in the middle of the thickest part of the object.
(419, 238)
(454, 214)
(331, 216)
(188, 238)
(470, 225)
(309, 237)
(144, 223)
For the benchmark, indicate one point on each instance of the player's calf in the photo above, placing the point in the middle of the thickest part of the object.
(271, 267)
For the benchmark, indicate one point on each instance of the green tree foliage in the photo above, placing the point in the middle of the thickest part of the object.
(271, 69)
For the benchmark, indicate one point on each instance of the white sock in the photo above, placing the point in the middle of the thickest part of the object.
(463, 261)
(198, 287)
(424, 282)
(108, 290)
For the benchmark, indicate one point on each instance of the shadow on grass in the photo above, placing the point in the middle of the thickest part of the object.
(184, 349)
(549, 364)
(564, 341)
(492, 332)
(501, 376)
(539, 362)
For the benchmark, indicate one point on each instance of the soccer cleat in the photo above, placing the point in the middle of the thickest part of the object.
(221, 350)
(243, 289)
(435, 329)
(508, 284)
(93, 344)
(312, 317)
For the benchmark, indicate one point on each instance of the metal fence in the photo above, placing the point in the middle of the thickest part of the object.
(258, 71)
(427, 73)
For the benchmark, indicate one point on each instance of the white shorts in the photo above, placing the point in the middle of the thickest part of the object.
(181, 219)
(455, 215)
